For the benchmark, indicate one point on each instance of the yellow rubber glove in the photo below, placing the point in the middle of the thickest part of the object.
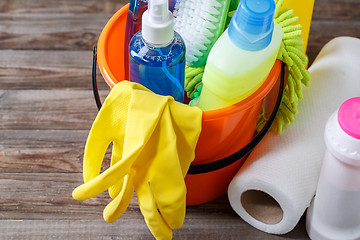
(154, 139)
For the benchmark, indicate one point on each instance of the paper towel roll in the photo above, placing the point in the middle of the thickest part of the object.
(277, 182)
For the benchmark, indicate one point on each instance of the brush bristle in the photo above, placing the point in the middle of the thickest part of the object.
(199, 22)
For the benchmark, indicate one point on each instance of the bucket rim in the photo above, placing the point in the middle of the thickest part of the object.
(102, 47)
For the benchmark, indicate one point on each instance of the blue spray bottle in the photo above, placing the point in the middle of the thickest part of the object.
(157, 53)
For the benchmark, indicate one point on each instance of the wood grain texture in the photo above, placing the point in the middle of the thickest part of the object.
(41, 109)
(42, 196)
(63, 6)
(132, 229)
(42, 151)
(51, 31)
(336, 9)
(28, 69)
(39, 151)
(54, 25)
(46, 199)
(70, 30)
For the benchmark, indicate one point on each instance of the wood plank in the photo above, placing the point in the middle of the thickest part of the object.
(135, 229)
(38, 151)
(42, 151)
(346, 9)
(72, 69)
(336, 9)
(41, 109)
(43, 196)
(54, 24)
(51, 31)
(46, 198)
(81, 31)
(63, 6)
(27, 69)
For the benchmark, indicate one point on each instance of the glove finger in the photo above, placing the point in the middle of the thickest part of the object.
(115, 189)
(153, 219)
(116, 157)
(186, 135)
(95, 148)
(109, 126)
(118, 206)
(167, 180)
(171, 202)
(102, 182)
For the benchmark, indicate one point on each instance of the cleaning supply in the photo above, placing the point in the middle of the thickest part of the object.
(226, 138)
(133, 24)
(200, 23)
(278, 180)
(193, 81)
(154, 139)
(157, 53)
(194, 74)
(242, 57)
(291, 53)
(335, 211)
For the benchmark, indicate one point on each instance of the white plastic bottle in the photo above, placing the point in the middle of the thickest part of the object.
(243, 56)
(335, 210)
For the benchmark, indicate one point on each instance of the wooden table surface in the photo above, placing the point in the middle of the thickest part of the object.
(46, 111)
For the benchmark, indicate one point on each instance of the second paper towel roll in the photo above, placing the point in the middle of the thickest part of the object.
(277, 182)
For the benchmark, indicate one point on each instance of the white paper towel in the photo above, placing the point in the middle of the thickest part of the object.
(277, 182)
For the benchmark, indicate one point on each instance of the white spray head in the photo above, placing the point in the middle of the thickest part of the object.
(158, 10)
(158, 22)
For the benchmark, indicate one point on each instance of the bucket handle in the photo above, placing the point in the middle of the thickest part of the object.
(94, 82)
(219, 164)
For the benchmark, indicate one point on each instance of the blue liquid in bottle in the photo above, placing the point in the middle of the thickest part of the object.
(160, 68)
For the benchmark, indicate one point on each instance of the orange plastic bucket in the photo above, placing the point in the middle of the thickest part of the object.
(224, 131)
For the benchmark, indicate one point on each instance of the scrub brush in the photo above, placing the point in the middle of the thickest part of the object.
(200, 23)
(193, 75)
(290, 53)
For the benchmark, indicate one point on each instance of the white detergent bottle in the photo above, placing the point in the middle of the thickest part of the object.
(243, 56)
(334, 212)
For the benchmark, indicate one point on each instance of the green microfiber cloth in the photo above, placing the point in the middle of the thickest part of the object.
(290, 53)
(193, 81)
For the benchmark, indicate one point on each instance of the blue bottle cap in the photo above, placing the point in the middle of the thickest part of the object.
(252, 25)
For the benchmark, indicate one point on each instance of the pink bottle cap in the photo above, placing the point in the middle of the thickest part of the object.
(349, 117)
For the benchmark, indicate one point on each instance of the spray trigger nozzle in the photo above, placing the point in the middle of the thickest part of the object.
(158, 22)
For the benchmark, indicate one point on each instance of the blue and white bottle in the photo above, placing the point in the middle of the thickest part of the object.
(157, 53)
